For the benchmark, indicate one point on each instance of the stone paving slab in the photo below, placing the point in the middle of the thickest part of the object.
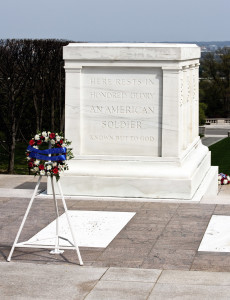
(5, 192)
(20, 185)
(169, 259)
(189, 292)
(125, 290)
(32, 281)
(195, 278)
(128, 274)
(20, 181)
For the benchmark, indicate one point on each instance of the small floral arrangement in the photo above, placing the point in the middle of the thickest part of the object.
(223, 179)
(50, 161)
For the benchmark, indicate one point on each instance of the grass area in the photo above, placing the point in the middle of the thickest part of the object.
(20, 166)
(221, 155)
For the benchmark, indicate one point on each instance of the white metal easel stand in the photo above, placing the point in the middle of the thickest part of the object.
(57, 247)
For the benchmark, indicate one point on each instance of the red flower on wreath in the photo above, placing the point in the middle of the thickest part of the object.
(31, 142)
(39, 142)
(41, 167)
(30, 164)
(55, 170)
(52, 135)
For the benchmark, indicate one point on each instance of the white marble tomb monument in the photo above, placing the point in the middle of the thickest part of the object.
(132, 115)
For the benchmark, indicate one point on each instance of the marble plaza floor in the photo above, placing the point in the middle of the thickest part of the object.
(155, 256)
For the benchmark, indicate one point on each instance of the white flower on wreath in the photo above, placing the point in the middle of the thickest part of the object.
(58, 138)
(52, 142)
(48, 173)
(37, 162)
(37, 137)
(48, 167)
(28, 158)
(225, 181)
(42, 172)
(35, 147)
(36, 169)
(44, 133)
(46, 139)
(54, 164)
(219, 177)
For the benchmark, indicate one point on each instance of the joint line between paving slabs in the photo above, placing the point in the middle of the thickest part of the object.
(104, 272)
(96, 282)
(154, 285)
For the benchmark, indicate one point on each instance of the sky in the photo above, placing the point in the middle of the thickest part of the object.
(116, 20)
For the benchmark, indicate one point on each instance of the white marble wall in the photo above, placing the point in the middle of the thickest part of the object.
(189, 106)
(118, 110)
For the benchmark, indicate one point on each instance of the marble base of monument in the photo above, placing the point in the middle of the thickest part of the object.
(153, 179)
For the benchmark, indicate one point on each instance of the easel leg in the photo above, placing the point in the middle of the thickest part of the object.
(70, 226)
(56, 249)
(24, 219)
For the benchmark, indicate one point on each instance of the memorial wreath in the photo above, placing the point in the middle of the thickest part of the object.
(51, 161)
(223, 179)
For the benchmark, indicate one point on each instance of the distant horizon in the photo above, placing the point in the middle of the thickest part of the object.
(106, 21)
(82, 41)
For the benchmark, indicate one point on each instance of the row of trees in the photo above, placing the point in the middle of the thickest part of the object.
(31, 90)
(215, 84)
